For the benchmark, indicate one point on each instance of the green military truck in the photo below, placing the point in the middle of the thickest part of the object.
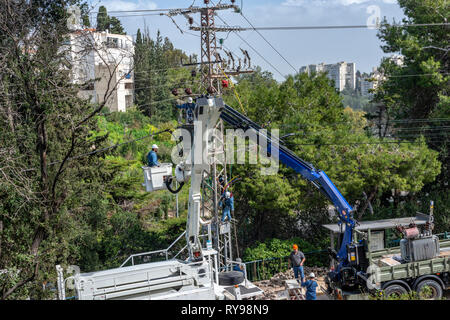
(419, 260)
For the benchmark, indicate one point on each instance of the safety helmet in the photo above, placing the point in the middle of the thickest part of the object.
(227, 194)
(190, 100)
(295, 247)
(154, 146)
(238, 260)
(312, 275)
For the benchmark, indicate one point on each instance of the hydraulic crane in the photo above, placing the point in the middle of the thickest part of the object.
(198, 277)
(317, 177)
(208, 110)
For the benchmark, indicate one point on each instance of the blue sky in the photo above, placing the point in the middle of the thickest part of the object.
(299, 47)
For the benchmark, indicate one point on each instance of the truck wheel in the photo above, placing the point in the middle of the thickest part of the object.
(429, 289)
(395, 290)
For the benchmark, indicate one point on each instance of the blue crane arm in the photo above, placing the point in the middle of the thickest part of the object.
(317, 177)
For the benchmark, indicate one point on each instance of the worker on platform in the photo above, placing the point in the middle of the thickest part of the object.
(238, 266)
(152, 157)
(189, 106)
(296, 260)
(227, 204)
(311, 287)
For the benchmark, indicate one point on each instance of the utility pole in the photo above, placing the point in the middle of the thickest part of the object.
(210, 58)
(213, 69)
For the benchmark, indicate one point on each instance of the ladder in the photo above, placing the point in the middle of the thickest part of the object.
(293, 290)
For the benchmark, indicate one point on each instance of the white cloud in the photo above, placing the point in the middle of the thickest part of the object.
(124, 5)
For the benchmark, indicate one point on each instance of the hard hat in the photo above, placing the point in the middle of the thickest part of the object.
(295, 246)
(312, 275)
(154, 146)
(238, 260)
(190, 100)
(227, 194)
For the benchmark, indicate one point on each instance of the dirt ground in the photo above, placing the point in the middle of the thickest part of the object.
(275, 287)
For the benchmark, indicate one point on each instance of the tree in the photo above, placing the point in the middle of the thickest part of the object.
(105, 22)
(116, 26)
(102, 19)
(44, 124)
(418, 87)
(157, 73)
(333, 139)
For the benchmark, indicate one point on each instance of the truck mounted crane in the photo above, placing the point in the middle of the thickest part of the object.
(207, 112)
(198, 277)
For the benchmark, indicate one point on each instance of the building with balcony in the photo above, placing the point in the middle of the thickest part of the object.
(103, 64)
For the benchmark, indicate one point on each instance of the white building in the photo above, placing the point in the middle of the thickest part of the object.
(342, 73)
(105, 62)
(371, 82)
(397, 59)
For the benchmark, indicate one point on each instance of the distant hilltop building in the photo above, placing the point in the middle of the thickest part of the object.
(103, 62)
(397, 59)
(370, 82)
(342, 73)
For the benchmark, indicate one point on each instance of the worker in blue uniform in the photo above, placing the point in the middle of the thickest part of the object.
(152, 157)
(227, 203)
(238, 266)
(189, 107)
(311, 286)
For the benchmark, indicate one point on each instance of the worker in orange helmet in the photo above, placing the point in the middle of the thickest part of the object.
(296, 260)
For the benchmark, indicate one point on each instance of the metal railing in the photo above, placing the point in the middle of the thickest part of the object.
(265, 269)
(163, 252)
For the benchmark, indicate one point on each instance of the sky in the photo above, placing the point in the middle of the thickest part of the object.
(298, 47)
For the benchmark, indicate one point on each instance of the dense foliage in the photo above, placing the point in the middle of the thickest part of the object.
(332, 138)
(60, 208)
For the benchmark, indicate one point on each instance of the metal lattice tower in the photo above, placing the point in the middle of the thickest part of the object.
(208, 51)
(211, 76)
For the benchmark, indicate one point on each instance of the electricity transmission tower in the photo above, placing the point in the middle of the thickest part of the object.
(213, 69)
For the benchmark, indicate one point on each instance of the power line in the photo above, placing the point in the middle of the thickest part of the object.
(371, 122)
(361, 143)
(131, 11)
(105, 149)
(281, 28)
(256, 51)
(267, 41)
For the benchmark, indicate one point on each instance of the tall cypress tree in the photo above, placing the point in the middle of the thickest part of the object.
(102, 19)
(105, 22)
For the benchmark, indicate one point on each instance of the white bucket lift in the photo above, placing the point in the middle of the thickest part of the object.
(154, 177)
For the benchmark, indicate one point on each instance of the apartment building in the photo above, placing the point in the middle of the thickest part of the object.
(342, 73)
(370, 82)
(104, 63)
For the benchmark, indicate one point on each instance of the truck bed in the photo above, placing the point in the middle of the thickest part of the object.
(391, 269)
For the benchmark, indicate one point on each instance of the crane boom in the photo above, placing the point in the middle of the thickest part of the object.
(317, 177)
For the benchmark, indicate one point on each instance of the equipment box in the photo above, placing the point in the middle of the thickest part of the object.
(419, 249)
(154, 177)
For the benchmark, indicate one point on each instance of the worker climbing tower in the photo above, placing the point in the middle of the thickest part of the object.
(214, 77)
(213, 191)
